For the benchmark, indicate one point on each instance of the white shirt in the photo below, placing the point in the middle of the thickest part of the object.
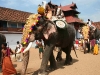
(19, 46)
(89, 23)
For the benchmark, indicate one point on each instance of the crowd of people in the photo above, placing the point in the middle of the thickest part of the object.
(6, 62)
(87, 45)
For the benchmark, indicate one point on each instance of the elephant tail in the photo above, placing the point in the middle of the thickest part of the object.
(75, 51)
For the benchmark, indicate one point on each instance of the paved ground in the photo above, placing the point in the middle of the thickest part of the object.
(85, 64)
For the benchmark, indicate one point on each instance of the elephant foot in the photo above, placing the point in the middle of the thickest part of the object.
(51, 69)
(67, 63)
(59, 59)
(71, 59)
(85, 52)
(44, 73)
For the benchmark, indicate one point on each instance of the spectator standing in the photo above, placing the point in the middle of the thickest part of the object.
(7, 66)
(92, 44)
(19, 46)
(95, 52)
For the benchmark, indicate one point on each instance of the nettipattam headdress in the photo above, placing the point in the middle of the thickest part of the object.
(28, 27)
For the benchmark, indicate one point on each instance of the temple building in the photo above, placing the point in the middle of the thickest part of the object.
(71, 15)
(12, 20)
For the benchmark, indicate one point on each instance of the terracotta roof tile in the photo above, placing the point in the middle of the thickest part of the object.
(71, 19)
(96, 24)
(68, 7)
(13, 15)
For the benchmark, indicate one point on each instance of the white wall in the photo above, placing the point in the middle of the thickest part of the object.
(13, 38)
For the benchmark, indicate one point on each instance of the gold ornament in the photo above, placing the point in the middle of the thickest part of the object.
(31, 21)
(41, 10)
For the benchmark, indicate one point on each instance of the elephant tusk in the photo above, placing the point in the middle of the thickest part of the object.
(28, 47)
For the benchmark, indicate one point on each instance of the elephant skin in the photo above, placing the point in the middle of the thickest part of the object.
(65, 41)
(94, 34)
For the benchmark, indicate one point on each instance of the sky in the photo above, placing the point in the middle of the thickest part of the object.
(89, 9)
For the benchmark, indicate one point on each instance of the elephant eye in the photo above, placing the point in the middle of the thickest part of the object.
(34, 28)
(37, 24)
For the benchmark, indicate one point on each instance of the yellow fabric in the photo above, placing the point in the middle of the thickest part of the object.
(95, 49)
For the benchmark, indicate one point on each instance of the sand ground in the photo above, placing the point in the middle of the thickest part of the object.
(85, 64)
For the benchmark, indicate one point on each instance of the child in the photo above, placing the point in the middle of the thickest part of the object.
(95, 52)
(40, 49)
(19, 46)
(36, 44)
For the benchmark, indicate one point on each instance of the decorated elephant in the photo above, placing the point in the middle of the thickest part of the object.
(61, 35)
(89, 33)
(84, 30)
(46, 26)
(2, 39)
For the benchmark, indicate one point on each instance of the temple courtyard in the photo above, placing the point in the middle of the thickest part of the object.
(85, 64)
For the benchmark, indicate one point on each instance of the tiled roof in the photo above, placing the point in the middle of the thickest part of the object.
(68, 7)
(7, 14)
(71, 19)
(96, 24)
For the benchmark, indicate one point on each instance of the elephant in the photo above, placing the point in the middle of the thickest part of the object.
(2, 39)
(84, 30)
(94, 33)
(90, 34)
(52, 35)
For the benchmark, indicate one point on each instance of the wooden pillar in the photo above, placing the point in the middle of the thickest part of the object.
(17, 25)
(7, 26)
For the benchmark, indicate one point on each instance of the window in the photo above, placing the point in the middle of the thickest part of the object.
(20, 25)
(12, 24)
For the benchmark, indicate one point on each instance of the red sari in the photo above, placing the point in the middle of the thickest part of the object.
(7, 66)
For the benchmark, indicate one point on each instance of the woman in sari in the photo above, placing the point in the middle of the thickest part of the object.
(7, 66)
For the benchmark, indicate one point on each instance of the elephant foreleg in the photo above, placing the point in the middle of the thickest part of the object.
(59, 55)
(68, 56)
(25, 62)
(46, 55)
(52, 62)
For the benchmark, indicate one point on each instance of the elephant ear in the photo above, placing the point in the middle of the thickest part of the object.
(49, 30)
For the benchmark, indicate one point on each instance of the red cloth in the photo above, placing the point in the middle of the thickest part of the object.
(76, 41)
(93, 42)
(7, 66)
(22, 49)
